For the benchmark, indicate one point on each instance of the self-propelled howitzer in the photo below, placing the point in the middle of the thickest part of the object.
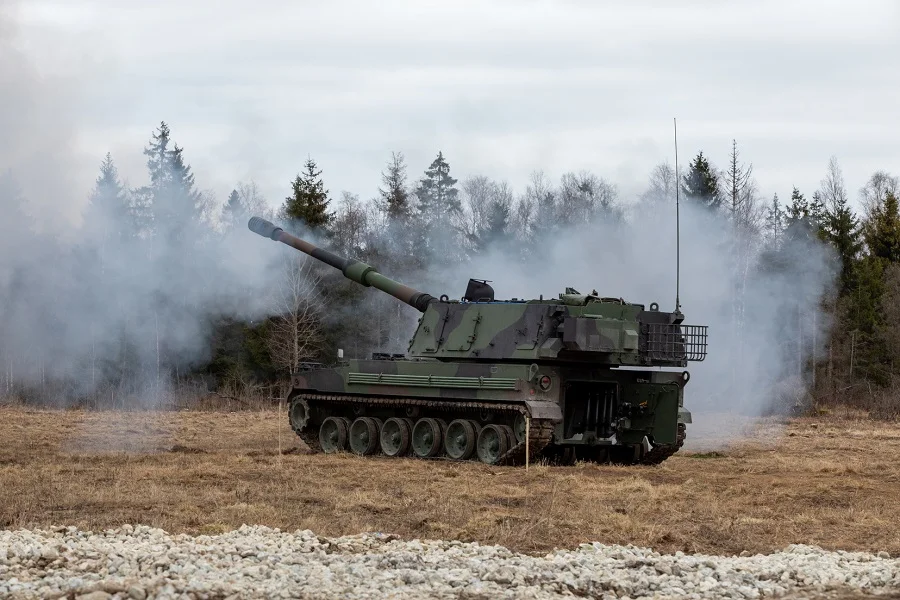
(578, 376)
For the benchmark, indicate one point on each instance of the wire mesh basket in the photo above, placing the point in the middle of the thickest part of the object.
(673, 342)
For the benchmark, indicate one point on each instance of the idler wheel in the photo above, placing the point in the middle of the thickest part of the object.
(493, 442)
(461, 438)
(333, 434)
(428, 437)
(396, 436)
(364, 436)
(298, 414)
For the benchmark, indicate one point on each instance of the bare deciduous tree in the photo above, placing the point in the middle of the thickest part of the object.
(350, 225)
(253, 201)
(296, 335)
(661, 185)
(477, 193)
(585, 197)
(833, 190)
(876, 189)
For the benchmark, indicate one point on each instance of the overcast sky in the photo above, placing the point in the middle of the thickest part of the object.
(250, 89)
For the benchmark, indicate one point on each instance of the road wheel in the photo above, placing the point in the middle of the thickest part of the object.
(333, 434)
(364, 436)
(493, 442)
(519, 428)
(461, 438)
(428, 437)
(396, 436)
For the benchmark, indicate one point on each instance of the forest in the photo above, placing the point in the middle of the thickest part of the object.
(165, 295)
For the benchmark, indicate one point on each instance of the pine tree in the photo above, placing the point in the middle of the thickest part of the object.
(170, 201)
(804, 219)
(438, 198)
(309, 201)
(234, 214)
(157, 155)
(841, 229)
(496, 229)
(798, 209)
(818, 211)
(394, 195)
(775, 221)
(701, 184)
(883, 234)
(107, 216)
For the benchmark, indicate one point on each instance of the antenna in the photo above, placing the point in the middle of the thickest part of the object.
(677, 226)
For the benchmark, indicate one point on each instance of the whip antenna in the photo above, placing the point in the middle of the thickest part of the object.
(677, 226)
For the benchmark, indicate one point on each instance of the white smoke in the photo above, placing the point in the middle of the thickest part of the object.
(756, 316)
(76, 306)
(60, 321)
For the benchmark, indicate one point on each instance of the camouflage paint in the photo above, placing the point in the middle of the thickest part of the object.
(556, 359)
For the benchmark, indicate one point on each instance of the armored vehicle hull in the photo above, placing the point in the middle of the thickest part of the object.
(504, 382)
(487, 411)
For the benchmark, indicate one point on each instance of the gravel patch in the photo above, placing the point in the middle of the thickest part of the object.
(142, 562)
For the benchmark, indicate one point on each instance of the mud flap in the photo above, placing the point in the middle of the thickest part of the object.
(544, 410)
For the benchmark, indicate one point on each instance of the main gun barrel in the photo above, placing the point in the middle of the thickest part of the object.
(352, 269)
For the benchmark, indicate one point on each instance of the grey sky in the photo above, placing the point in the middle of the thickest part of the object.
(503, 87)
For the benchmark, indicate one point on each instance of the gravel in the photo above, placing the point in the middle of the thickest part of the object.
(251, 562)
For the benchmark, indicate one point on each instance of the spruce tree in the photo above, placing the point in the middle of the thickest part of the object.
(798, 209)
(701, 184)
(804, 219)
(171, 200)
(107, 216)
(818, 210)
(234, 214)
(438, 198)
(775, 221)
(394, 195)
(841, 228)
(496, 228)
(309, 201)
(883, 234)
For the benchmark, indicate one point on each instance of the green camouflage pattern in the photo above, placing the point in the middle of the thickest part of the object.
(590, 372)
(596, 330)
(655, 398)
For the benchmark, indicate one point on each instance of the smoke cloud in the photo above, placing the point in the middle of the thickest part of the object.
(87, 296)
(74, 308)
(764, 309)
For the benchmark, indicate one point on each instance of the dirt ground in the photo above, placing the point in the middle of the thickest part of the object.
(832, 482)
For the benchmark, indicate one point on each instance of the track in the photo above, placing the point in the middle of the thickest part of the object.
(540, 430)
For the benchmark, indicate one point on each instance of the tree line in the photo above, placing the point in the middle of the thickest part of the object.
(149, 300)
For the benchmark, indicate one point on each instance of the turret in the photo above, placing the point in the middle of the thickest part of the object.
(575, 328)
(354, 270)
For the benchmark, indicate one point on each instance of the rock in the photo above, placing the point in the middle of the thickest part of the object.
(139, 562)
(95, 595)
(49, 554)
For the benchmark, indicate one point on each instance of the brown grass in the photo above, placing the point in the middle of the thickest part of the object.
(832, 482)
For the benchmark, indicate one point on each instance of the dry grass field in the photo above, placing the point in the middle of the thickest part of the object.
(833, 482)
